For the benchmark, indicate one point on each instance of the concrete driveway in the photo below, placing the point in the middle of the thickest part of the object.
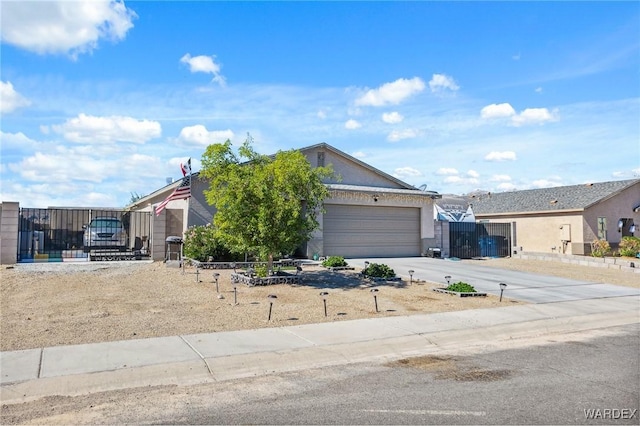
(524, 286)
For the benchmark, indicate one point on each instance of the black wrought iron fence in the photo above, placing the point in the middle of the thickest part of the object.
(59, 233)
(468, 240)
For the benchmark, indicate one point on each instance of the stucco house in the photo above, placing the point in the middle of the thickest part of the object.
(564, 219)
(368, 212)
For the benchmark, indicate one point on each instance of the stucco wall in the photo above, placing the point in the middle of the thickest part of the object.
(615, 208)
(552, 233)
(351, 172)
(9, 212)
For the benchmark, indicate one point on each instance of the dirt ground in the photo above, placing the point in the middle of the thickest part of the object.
(48, 305)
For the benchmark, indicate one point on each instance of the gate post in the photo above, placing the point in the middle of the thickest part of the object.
(9, 219)
(159, 234)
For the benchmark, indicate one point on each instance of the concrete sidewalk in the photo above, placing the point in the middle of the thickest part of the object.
(200, 358)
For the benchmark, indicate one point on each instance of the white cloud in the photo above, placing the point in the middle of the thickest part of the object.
(199, 135)
(391, 93)
(534, 116)
(546, 183)
(352, 124)
(205, 64)
(69, 27)
(322, 114)
(94, 130)
(397, 135)
(392, 117)
(441, 82)
(516, 57)
(528, 116)
(406, 172)
(10, 100)
(473, 174)
(447, 171)
(500, 178)
(506, 186)
(501, 156)
(497, 111)
(460, 180)
(359, 154)
(538, 90)
(16, 140)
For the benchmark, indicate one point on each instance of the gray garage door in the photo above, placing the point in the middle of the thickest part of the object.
(361, 231)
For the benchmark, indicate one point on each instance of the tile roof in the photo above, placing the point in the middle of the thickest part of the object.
(574, 197)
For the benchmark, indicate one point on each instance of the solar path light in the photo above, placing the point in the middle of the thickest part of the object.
(502, 287)
(448, 278)
(366, 266)
(272, 298)
(324, 295)
(411, 271)
(235, 293)
(215, 277)
(375, 297)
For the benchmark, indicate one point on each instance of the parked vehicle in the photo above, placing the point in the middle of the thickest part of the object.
(105, 233)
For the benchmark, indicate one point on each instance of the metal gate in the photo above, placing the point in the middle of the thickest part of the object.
(58, 234)
(468, 240)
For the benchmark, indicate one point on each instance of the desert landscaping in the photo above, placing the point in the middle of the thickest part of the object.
(61, 304)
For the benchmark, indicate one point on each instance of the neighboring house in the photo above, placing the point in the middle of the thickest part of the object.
(454, 208)
(459, 236)
(564, 219)
(368, 212)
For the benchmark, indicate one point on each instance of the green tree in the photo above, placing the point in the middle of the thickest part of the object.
(265, 205)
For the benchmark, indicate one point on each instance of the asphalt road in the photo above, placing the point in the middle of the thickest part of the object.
(594, 373)
(524, 286)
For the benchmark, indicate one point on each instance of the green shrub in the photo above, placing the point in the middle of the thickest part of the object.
(600, 248)
(261, 270)
(629, 246)
(461, 287)
(201, 243)
(379, 270)
(334, 261)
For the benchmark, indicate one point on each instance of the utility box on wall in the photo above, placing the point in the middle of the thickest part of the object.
(565, 233)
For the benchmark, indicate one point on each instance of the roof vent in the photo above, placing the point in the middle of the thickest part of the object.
(553, 202)
(169, 180)
(588, 184)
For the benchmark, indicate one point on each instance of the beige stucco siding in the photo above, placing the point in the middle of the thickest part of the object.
(615, 208)
(350, 172)
(552, 233)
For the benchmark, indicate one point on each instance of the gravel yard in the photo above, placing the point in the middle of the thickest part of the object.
(60, 304)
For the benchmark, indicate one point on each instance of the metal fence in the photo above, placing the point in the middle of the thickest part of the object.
(468, 240)
(56, 234)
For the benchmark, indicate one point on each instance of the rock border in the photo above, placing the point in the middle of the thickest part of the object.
(460, 293)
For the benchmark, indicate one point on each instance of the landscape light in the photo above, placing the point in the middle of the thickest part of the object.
(324, 295)
(375, 297)
(272, 298)
(215, 277)
(502, 287)
(448, 278)
(366, 266)
(411, 271)
(235, 293)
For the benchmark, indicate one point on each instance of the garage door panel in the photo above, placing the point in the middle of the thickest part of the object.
(355, 231)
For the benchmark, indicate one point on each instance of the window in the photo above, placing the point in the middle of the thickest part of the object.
(602, 228)
(320, 159)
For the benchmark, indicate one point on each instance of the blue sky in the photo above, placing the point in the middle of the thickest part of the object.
(103, 99)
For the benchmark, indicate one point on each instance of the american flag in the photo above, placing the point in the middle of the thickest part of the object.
(182, 192)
